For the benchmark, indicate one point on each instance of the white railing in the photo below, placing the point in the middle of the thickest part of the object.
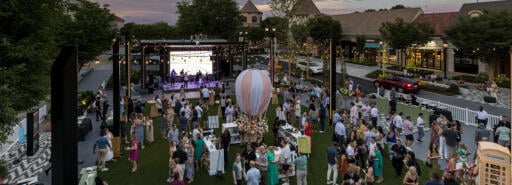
(464, 115)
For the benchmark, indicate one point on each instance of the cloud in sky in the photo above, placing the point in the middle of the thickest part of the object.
(151, 11)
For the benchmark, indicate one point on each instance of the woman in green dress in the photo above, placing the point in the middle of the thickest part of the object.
(378, 163)
(272, 173)
(198, 150)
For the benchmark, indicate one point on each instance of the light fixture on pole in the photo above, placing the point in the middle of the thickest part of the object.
(271, 32)
(243, 39)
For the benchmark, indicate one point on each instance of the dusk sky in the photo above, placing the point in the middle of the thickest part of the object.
(151, 11)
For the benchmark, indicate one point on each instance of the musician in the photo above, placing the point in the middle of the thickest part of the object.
(173, 76)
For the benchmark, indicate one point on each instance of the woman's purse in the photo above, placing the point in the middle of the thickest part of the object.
(428, 163)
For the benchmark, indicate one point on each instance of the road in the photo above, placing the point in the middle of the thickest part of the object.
(367, 87)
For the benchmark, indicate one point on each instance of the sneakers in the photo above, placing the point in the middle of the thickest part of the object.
(329, 182)
(104, 169)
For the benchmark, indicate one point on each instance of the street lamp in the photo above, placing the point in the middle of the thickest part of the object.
(445, 48)
(271, 32)
(243, 36)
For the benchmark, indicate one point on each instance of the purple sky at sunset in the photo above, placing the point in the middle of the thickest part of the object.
(151, 11)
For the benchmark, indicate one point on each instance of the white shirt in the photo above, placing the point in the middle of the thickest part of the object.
(229, 111)
(188, 112)
(199, 111)
(286, 107)
(482, 115)
(205, 92)
(354, 112)
(158, 103)
(350, 151)
(419, 122)
(366, 110)
(286, 154)
(297, 108)
(398, 121)
(371, 148)
(374, 112)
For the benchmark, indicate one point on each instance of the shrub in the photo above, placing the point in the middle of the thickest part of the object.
(395, 68)
(374, 74)
(502, 81)
(481, 77)
(454, 88)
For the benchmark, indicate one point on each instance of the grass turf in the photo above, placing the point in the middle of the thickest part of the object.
(153, 161)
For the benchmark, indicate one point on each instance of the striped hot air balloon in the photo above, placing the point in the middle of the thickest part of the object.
(253, 91)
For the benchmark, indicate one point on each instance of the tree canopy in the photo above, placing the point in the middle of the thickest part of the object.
(215, 18)
(488, 35)
(279, 23)
(324, 28)
(159, 30)
(401, 34)
(30, 39)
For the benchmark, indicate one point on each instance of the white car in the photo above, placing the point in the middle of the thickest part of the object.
(314, 67)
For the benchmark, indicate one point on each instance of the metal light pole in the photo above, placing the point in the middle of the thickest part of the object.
(243, 36)
(381, 62)
(271, 31)
(128, 63)
(445, 48)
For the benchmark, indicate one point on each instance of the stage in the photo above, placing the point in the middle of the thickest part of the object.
(191, 86)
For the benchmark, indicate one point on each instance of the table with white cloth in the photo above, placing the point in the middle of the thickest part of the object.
(290, 134)
(216, 156)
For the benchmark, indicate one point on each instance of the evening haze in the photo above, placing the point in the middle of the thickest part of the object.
(151, 11)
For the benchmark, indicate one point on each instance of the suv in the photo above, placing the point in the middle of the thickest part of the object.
(314, 67)
(401, 84)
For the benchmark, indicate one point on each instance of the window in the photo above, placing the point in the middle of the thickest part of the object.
(254, 19)
(246, 19)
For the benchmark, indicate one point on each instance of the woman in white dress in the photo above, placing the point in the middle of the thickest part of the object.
(110, 153)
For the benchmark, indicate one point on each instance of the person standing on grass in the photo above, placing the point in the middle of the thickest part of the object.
(332, 164)
(261, 163)
(253, 175)
(149, 130)
(183, 122)
(138, 129)
(102, 144)
(378, 163)
(134, 153)
(189, 165)
(285, 158)
(229, 113)
(173, 135)
(164, 126)
(237, 170)
(272, 170)
(420, 124)
(301, 166)
(321, 118)
(198, 150)
(225, 140)
(398, 152)
(180, 157)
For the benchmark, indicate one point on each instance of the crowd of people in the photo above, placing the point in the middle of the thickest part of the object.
(356, 155)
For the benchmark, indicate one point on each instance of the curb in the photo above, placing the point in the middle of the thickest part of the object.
(83, 75)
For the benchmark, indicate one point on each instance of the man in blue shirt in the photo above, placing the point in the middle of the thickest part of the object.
(102, 144)
(336, 117)
(332, 163)
(340, 133)
(253, 175)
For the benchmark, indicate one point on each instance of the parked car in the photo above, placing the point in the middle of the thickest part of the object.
(314, 67)
(401, 84)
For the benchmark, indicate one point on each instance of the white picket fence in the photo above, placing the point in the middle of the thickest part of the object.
(464, 115)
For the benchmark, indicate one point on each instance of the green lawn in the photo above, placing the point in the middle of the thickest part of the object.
(153, 162)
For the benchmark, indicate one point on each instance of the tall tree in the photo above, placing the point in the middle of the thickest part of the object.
(216, 18)
(279, 23)
(401, 35)
(28, 44)
(488, 36)
(92, 28)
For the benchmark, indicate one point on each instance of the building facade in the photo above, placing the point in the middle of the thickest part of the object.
(253, 16)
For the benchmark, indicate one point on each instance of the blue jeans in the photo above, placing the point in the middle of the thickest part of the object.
(189, 166)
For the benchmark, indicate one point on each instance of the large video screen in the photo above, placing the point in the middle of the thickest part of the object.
(190, 62)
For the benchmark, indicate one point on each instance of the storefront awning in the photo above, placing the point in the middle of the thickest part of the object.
(373, 46)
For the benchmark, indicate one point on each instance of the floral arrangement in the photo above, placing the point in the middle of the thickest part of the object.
(346, 92)
(252, 125)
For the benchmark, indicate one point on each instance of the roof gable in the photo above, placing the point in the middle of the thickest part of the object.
(368, 23)
(249, 7)
(438, 21)
(485, 6)
(305, 8)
